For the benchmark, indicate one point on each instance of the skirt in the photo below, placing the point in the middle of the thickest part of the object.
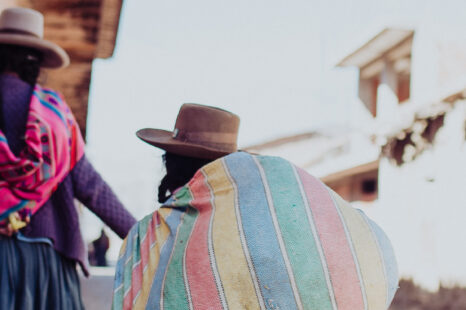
(33, 276)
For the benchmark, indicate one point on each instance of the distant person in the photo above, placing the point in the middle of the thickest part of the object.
(42, 170)
(99, 248)
(243, 231)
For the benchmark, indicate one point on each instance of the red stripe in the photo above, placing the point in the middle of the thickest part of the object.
(148, 241)
(137, 274)
(128, 301)
(155, 223)
(335, 245)
(199, 272)
(74, 151)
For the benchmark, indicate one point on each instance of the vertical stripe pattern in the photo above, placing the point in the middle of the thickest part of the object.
(255, 232)
(155, 295)
(199, 266)
(261, 237)
(296, 228)
(335, 244)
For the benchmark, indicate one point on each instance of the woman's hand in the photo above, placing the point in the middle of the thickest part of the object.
(6, 230)
(15, 223)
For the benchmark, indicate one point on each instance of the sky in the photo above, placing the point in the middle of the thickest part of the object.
(271, 62)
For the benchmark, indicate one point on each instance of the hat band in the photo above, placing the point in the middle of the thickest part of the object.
(203, 137)
(17, 31)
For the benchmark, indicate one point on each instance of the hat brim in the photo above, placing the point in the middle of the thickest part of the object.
(163, 139)
(54, 56)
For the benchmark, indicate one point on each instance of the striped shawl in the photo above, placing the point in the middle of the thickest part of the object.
(255, 232)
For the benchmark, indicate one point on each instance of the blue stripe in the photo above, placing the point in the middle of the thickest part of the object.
(173, 221)
(51, 107)
(19, 206)
(3, 139)
(120, 267)
(260, 233)
(23, 238)
(52, 93)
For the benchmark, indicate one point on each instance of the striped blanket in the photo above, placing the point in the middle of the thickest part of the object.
(255, 232)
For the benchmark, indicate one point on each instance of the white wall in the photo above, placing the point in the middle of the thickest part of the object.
(422, 204)
(422, 207)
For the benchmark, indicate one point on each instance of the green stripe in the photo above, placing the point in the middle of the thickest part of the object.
(296, 233)
(142, 231)
(117, 301)
(144, 225)
(174, 292)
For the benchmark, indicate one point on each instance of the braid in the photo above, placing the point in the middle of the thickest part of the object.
(180, 169)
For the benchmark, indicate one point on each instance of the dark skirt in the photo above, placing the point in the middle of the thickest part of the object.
(35, 276)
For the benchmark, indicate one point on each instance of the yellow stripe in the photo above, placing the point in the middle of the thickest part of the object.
(123, 248)
(162, 232)
(367, 253)
(231, 262)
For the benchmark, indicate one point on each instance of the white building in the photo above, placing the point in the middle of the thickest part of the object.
(402, 160)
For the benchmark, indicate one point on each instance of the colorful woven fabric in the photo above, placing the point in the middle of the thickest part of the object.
(255, 232)
(53, 146)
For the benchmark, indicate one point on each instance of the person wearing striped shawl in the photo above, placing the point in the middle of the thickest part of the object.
(248, 232)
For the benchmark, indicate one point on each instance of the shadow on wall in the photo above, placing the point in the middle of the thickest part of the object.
(412, 297)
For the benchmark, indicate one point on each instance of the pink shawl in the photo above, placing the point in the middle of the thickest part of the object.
(53, 146)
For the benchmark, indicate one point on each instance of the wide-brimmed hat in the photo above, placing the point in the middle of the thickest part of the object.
(25, 27)
(200, 131)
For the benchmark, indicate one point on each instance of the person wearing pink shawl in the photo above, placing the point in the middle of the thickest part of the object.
(43, 168)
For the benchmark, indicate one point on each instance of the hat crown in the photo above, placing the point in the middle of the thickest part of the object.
(205, 125)
(22, 20)
(200, 131)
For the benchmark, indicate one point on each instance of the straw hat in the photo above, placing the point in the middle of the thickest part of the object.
(200, 131)
(25, 27)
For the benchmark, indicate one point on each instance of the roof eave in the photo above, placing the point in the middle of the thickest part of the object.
(376, 47)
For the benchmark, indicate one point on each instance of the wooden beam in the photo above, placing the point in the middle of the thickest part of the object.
(108, 27)
(374, 165)
(86, 29)
(376, 47)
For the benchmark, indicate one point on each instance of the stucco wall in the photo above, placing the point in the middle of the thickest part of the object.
(422, 207)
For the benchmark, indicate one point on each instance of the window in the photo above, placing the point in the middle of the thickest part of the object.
(391, 67)
(369, 186)
(356, 184)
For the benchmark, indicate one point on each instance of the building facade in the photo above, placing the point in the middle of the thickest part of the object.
(403, 161)
(86, 30)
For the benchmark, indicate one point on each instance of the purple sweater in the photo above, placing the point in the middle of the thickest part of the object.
(58, 218)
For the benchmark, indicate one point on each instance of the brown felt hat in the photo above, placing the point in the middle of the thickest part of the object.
(200, 131)
(25, 27)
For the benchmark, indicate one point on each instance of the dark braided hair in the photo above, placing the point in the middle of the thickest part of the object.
(180, 169)
(23, 61)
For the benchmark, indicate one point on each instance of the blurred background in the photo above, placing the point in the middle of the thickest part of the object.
(367, 95)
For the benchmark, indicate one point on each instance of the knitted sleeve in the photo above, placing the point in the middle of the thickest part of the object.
(90, 189)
